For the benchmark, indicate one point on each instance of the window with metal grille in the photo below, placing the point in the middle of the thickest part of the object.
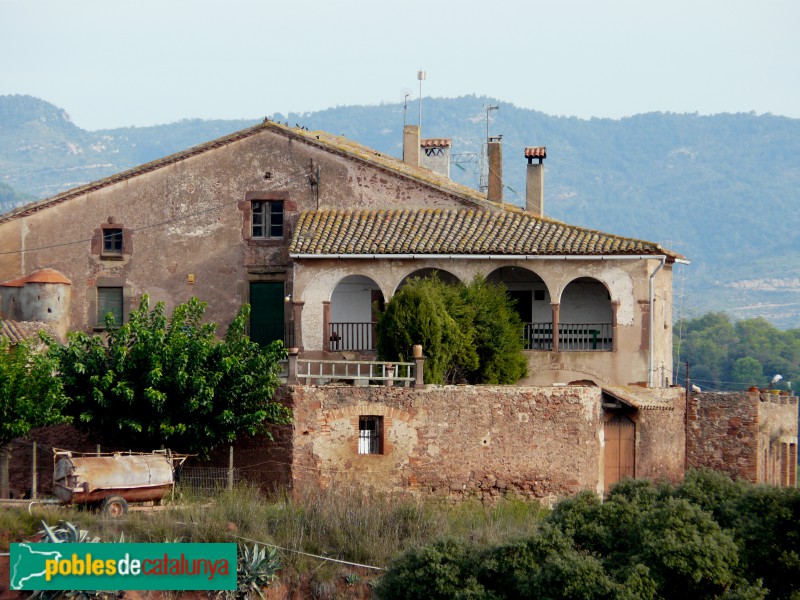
(267, 219)
(369, 435)
(109, 300)
(112, 241)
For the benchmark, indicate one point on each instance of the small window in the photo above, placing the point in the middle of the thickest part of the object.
(369, 435)
(267, 219)
(538, 295)
(109, 300)
(112, 241)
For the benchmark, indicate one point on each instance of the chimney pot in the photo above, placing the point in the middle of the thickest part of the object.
(534, 186)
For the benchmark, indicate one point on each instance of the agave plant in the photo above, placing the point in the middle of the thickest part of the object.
(67, 533)
(257, 567)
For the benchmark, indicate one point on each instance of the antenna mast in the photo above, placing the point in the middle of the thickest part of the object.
(421, 75)
(484, 183)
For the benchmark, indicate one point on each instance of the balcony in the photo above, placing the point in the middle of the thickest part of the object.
(572, 337)
(352, 336)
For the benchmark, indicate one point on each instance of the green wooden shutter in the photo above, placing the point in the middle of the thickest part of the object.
(109, 300)
(266, 311)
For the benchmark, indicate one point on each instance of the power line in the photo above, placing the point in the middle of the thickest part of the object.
(153, 225)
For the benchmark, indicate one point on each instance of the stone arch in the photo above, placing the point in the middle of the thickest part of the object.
(444, 276)
(586, 316)
(353, 319)
(532, 302)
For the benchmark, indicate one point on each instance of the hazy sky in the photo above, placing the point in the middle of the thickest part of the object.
(112, 63)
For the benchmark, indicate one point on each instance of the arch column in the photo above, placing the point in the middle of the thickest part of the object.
(326, 325)
(614, 336)
(555, 307)
(297, 318)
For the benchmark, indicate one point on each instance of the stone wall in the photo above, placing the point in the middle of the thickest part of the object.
(744, 434)
(481, 441)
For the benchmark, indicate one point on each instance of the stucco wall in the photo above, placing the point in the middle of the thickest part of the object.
(189, 217)
(626, 281)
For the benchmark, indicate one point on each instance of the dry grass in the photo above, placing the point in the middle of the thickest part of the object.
(344, 523)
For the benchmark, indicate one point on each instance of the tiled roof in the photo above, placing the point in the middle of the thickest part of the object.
(16, 331)
(332, 143)
(435, 143)
(638, 398)
(453, 231)
(46, 275)
(536, 152)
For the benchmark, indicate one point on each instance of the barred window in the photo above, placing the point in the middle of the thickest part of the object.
(370, 430)
(267, 219)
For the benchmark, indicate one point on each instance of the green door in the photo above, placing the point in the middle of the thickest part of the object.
(266, 311)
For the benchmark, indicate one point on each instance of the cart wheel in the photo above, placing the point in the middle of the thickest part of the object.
(114, 507)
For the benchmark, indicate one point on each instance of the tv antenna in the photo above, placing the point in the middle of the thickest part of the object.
(421, 75)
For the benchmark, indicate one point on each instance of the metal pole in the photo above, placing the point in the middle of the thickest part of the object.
(33, 474)
(98, 449)
(686, 424)
(421, 75)
(230, 468)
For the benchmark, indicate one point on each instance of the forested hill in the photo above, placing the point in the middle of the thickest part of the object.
(721, 189)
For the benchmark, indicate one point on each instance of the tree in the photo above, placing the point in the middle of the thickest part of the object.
(153, 381)
(469, 333)
(431, 313)
(498, 338)
(30, 396)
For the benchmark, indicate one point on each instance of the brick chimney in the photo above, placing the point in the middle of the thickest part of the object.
(411, 145)
(435, 155)
(534, 185)
(495, 193)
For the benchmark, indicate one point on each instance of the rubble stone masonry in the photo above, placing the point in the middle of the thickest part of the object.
(459, 441)
(752, 435)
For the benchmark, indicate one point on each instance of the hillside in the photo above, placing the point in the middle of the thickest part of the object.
(720, 189)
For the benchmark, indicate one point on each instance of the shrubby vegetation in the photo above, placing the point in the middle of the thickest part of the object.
(707, 538)
(726, 355)
(30, 396)
(155, 381)
(468, 333)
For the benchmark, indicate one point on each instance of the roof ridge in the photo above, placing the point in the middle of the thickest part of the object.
(323, 139)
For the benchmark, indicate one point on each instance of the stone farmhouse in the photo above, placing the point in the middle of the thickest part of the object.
(314, 230)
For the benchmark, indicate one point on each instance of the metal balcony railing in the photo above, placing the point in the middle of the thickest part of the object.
(572, 337)
(582, 337)
(353, 336)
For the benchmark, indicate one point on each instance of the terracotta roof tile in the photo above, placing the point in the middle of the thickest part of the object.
(435, 143)
(536, 152)
(16, 331)
(453, 231)
(41, 276)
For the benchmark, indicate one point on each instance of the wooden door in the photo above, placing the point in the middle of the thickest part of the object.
(266, 311)
(620, 453)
